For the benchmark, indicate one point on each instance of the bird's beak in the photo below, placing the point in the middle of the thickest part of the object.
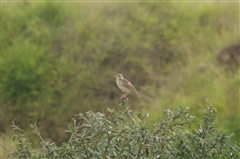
(114, 75)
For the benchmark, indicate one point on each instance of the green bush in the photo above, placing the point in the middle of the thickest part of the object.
(124, 134)
(26, 73)
(57, 55)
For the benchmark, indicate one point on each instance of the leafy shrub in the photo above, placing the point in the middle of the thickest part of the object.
(124, 134)
(27, 78)
(66, 54)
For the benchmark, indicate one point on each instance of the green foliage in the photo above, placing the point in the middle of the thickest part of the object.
(51, 13)
(23, 149)
(56, 55)
(121, 135)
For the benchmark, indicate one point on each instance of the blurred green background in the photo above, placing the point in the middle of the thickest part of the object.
(58, 59)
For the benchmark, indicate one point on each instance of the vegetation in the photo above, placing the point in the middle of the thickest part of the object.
(120, 135)
(60, 58)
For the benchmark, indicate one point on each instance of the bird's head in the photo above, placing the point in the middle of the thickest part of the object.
(118, 76)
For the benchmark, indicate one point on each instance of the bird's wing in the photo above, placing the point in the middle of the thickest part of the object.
(128, 84)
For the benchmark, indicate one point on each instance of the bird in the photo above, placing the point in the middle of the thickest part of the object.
(125, 85)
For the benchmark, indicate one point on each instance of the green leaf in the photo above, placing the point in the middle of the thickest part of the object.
(139, 115)
(71, 129)
(146, 115)
(14, 137)
(180, 108)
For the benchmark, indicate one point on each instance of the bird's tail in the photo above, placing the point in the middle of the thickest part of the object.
(137, 94)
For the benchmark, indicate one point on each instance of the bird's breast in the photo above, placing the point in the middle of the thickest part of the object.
(120, 86)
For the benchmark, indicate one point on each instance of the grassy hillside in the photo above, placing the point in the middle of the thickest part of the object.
(59, 59)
